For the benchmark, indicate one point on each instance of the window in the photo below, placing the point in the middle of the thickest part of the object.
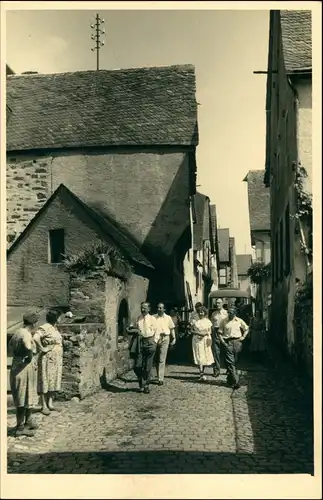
(223, 276)
(56, 246)
(287, 242)
(259, 251)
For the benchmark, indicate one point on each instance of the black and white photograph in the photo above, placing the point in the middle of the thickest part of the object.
(159, 241)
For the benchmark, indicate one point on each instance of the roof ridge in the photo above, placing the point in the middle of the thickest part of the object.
(101, 71)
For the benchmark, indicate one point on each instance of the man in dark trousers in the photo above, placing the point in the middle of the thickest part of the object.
(217, 318)
(144, 346)
(231, 334)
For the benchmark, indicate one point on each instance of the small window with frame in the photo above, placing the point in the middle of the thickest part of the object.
(223, 276)
(56, 244)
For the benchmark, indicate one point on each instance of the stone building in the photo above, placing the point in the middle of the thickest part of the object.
(288, 175)
(243, 264)
(228, 272)
(200, 269)
(104, 292)
(122, 141)
(260, 233)
(64, 226)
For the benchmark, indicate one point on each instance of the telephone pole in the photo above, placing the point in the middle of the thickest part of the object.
(97, 38)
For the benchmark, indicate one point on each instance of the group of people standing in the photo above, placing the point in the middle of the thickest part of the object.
(36, 370)
(223, 332)
(151, 338)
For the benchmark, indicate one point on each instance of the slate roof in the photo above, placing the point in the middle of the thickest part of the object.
(243, 264)
(106, 226)
(128, 107)
(296, 32)
(224, 239)
(259, 201)
(198, 228)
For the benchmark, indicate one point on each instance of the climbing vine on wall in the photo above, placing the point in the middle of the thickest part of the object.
(303, 214)
(258, 271)
(304, 199)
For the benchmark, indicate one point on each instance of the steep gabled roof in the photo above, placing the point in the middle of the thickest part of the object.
(128, 107)
(108, 228)
(296, 32)
(259, 201)
(243, 264)
(224, 240)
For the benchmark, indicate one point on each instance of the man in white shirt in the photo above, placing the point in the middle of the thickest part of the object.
(146, 326)
(165, 336)
(218, 317)
(231, 334)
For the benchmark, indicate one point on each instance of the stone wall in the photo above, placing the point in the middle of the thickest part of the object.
(94, 354)
(90, 360)
(28, 188)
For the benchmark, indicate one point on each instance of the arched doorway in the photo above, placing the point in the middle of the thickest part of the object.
(123, 318)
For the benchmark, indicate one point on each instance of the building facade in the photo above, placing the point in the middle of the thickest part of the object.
(289, 172)
(200, 268)
(260, 233)
(243, 265)
(110, 137)
(228, 271)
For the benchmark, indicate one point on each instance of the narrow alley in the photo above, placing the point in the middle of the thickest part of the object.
(182, 427)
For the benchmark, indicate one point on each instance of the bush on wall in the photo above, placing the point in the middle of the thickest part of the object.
(258, 271)
(99, 255)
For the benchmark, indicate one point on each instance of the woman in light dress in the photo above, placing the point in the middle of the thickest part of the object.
(23, 375)
(201, 341)
(50, 364)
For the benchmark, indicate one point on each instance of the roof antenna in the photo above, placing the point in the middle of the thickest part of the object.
(97, 38)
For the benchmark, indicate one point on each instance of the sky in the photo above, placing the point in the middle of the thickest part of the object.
(225, 46)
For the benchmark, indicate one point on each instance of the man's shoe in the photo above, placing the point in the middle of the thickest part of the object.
(146, 390)
(160, 382)
(45, 411)
(236, 386)
(24, 432)
(216, 374)
(31, 425)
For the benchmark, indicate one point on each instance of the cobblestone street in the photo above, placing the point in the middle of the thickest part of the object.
(182, 427)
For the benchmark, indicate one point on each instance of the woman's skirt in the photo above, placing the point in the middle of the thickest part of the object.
(202, 350)
(23, 382)
(50, 367)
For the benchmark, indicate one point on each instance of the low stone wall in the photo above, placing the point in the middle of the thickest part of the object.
(90, 360)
